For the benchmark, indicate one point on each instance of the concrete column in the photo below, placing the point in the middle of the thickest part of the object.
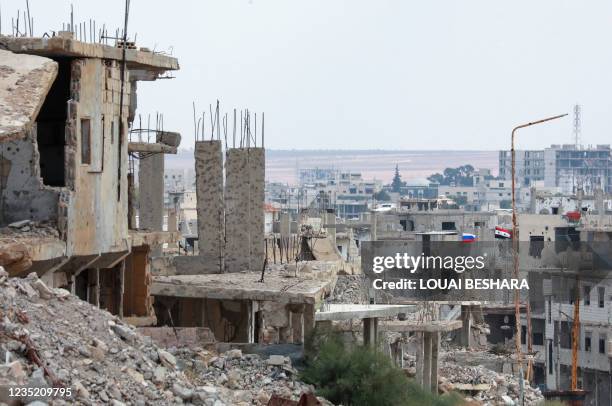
(244, 197)
(172, 223)
(131, 202)
(435, 348)
(297, 325)
(373, 235)
(419, 358)
(151, 192)
(330, 224)
(427, 352)
(122, 287)
(466, 333)
(370, 331)
(285, 224)
(93, 279)
(308, 319)
(209, 195)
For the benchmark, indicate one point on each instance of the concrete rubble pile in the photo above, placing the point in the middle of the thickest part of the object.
(479, 383)
(244, 378)
(49, 338)
(503, 389)
(354, 289)
(350, 289)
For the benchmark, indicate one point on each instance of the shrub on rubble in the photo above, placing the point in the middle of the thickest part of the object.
(359, 375)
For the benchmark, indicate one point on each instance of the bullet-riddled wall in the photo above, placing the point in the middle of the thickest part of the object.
(209, 192)
(244, 197)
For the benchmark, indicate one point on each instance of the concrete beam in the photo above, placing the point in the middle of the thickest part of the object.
(442, 326)
(151, 147)
(359, 311)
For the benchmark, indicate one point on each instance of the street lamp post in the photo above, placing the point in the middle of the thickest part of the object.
(515, 257)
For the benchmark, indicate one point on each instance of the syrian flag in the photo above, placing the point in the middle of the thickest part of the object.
(467, 237)
(502, 233)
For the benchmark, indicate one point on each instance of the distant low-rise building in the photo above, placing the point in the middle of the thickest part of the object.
(568, 167)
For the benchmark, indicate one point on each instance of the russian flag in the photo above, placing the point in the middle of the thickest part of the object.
(467, 237)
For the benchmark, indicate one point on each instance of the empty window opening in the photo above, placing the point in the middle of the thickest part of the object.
(51, 127)
(448, 225)
(536, 245)
(587, 341)
(587, 295)
(85, 141)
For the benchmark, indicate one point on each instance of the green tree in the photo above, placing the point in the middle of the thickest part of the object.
(460, 200)
(460, 176)
(362, 376)
(382, 196)
(396, 183)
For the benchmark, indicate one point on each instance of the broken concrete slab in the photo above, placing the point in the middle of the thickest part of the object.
(244, 286)
(341, 311)
(136, 59)
(25, 80)
(150, 147)
(170, 138)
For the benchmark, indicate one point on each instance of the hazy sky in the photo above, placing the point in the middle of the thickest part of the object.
(373, 74)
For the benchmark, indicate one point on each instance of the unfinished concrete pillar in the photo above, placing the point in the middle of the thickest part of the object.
(370, 331)
(419, 357)
(209, 194)
(244, 198)
(466, 328)
(285, 224)
(151, 192)
(435, 348)
(427, 350)
(330, 225)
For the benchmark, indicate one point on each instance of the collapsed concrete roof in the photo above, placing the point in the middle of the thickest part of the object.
(25, 81)
(244, 286)
(68, 47)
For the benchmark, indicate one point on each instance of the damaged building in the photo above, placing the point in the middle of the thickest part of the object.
(67, 168)
(244, 285)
